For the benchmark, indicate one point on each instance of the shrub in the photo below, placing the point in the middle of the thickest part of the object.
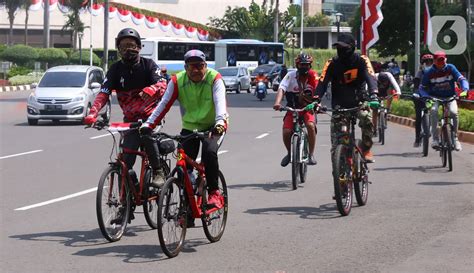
(20, 54)
(52, 56)
(18, 70)
(24, 79)
(85, 58)
(2, 48)
(466, 120)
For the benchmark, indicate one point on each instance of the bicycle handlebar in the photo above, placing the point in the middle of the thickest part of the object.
(444, 100)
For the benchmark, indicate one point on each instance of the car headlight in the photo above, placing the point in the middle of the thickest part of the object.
(79, 98)
(32, 97)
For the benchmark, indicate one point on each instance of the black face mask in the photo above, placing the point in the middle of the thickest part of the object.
(130, 56)
(344, 53)
(303, 71)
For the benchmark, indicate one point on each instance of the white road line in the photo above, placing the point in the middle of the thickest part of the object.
(104, 135)
(219, 153)
(58, 199)
(262, 135)
(25, 153)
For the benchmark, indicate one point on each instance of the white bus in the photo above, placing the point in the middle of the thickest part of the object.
(170, 52)
(247, 52)
(227, 52)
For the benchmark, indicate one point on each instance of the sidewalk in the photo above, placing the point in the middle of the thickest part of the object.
(463, 135)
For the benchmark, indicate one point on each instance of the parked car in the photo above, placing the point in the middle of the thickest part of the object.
(66, 93)
(235, 78)
(269, 70)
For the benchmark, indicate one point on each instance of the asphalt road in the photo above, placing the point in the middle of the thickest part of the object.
(419, 217)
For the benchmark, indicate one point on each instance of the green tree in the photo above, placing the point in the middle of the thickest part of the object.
(52, 56)
(75, 58)
(20, 54)
(73, 21)
(317, 20)
(26, 6)
(12, 7)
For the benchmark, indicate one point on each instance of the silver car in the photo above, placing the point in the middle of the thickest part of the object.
(235, 78)
(66, 93)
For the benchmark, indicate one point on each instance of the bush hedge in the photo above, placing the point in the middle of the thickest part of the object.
(406, 108)
(25, 79)
(52, 56)
(18, 70)
(85, 58)
(20, 54)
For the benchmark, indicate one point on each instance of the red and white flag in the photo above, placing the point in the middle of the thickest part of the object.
(428, 30)
(371, 18)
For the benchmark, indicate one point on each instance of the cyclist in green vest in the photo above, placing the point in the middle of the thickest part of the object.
(201, 94)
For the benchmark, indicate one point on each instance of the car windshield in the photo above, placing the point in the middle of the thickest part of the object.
(262, 68)
(228, 72)
(63, 79)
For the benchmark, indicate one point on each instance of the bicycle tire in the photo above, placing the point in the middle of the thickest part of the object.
(361, 183)
(172, 209)
(304, 164)
(449, 147)
(150, 205)
(342, 177)
(112, 207)
(214, 224)
(443, 147)
(382, 127)
(426, 134)
(295, 143)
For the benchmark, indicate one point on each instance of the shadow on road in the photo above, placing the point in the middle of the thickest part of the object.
(278, 186)
(425, 169)
(326, 211)
(412, 154)
(443, 183)
(49, 123)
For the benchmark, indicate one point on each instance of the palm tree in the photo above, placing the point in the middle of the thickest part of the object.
(26, 5)
(12, 7)
(73, 21)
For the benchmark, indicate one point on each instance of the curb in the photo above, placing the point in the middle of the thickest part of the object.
(15, 88)
(462, 135)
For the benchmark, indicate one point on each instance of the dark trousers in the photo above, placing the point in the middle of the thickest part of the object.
(419, 104)
(208, 156)
(132, 140)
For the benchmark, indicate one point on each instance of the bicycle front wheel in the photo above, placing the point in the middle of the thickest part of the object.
(341, 171)
(295, 158)
(172, 220)
(443, 149)
(304, 165)
(382, 126)
(449, 146)
(112, 204)
(214, 223)
(426, 133)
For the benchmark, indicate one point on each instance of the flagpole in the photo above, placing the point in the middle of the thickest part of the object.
(90, 57)
(301, 31)
(417, 36)
(362, 19)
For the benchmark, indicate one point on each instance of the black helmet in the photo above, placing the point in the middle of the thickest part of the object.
(128, 33)
(303, 58)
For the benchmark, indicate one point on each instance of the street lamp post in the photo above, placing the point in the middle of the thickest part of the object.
(80, 34)
(338, 21)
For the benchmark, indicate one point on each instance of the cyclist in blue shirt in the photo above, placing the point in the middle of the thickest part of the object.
(439, 82)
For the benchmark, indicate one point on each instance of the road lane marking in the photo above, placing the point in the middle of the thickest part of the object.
(25, 153)
(262, 135)
(219, 153)
(104, 135)
(57, 199)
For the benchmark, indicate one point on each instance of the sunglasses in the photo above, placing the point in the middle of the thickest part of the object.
(198, 66)
(128, 46)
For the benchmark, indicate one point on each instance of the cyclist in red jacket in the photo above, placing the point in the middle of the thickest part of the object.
(139, 88)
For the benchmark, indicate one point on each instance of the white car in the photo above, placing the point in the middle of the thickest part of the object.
(66, 93)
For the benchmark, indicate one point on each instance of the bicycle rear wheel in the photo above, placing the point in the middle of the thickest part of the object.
(426, 133)
(382, 126)
(112, 204)
(449, 146)
(172, 220)
(361, 182)
(215, 222)
(443, 147)
(150, 206)
(304, 164)
(341, 171)
(295, 158)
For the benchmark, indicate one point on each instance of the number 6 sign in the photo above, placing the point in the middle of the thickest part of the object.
(449, 34)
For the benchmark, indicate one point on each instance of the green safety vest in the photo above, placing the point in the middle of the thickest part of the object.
(197, 101)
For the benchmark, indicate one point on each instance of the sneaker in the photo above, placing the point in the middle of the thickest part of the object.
(457, 145)
(158, 179)
(215, 199)
(312, 160)
(285, 161)
(369, 157)
(435, 144)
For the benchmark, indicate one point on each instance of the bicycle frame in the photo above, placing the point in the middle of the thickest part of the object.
(299, 130)
(446, 119)
(346, 134)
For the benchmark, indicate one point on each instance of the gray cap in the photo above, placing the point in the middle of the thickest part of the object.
(194, 54)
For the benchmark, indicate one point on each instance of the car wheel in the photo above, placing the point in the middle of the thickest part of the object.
(32, 121)
(238, 89)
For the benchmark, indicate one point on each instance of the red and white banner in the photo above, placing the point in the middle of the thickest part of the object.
(203, 35)
(124, 15)
(190, 31)
(151, 22)
(178, 29)
(165, 25)
(371, 17)
(112, 12)
(428, 29)
(138, 18)
(97, 9)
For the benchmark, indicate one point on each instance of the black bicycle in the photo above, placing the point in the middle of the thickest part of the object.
(350, 171)
(425, 132)
(447, 136)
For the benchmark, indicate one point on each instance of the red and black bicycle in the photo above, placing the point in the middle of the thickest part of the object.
(179, 200)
